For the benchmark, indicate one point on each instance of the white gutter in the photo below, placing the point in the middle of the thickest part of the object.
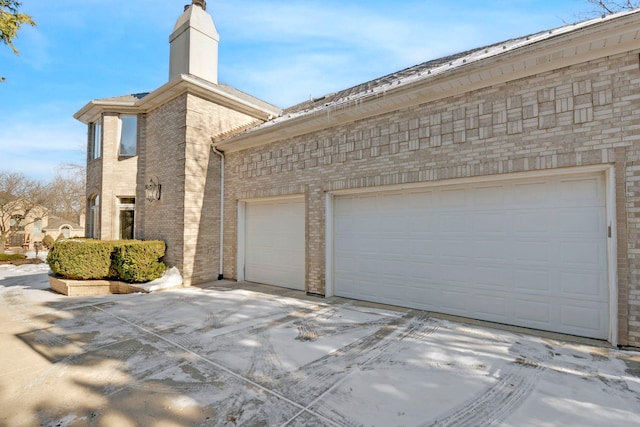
(221, 154)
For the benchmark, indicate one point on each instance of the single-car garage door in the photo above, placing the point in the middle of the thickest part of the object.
(274, 242)
(528, 252)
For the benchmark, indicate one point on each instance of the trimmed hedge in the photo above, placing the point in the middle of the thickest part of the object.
(11, 257)
(138, 261)
(131, 261)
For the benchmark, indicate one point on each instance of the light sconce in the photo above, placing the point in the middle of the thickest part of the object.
(152, 189)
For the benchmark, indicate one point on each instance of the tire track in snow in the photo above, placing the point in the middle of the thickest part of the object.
(322, 376)
(265, 365)
(494, 405)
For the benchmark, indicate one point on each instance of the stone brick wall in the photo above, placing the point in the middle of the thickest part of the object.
(177, 151)
(581, 115)
(111, 177)
(162, 156)
(94, 181)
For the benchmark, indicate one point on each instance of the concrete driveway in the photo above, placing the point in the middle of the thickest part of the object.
(233, 354)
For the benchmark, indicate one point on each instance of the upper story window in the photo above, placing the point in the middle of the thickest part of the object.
(95, 140)
(128, 135)
(17, 223)
(37, 227)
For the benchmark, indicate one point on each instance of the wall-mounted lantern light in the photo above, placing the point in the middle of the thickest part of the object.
(152, 189)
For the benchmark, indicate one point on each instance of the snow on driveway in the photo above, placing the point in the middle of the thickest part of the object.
(232, 356)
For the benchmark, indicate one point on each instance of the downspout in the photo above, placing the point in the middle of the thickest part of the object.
(221, 154)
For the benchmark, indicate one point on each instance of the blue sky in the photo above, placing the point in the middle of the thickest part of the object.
(280, 51)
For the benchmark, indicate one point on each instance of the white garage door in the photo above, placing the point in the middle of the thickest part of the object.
(275, 243)
(529, 252)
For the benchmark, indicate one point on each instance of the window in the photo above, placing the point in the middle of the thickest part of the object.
(95, 140)
(93, 226)
(66, 231)
(37, 227)
(127, 206)
(128, 136)
(17, 223)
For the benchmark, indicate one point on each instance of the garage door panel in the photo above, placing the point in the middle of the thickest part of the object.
(452, 198)
(530, 193)
(527, 223)
(531, 281)
(453, 301)
(583, 222)
(489, 222)
(583, 319)
(490, 307)
(490, 196)
(580, 192)
(422, 201)
(527, 252)
(532, 251)
(458, 223)
(490, 250)
(275, 242)
(492, 278)
(536, 313)
(588, 286)
(587, 252)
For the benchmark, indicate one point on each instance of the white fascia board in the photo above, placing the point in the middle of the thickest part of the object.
(209, 91)
(94, 109)
(607, 38)
(184, 84)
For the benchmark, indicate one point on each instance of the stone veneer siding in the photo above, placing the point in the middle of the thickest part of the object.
(178, 152)
(580, 115)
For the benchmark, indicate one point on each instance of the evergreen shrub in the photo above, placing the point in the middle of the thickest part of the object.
(48, 241)
(80, 259)
(139, 261)
(11, 257)
(132, 261)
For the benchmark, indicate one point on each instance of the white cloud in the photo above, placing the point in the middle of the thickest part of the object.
(284, 52)
(36, 143)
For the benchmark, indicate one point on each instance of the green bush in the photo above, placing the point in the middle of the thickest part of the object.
(126, 260)
(11, 257)
(81, 260)
(137, 261)
(48, 241)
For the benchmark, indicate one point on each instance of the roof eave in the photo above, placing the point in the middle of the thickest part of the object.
(602, 39)
(176, 87)
(94, 109)
(209, 91)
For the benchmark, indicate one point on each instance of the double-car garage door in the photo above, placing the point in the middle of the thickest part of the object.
(528, 252)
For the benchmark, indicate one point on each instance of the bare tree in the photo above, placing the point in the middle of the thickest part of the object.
(22, 202)
(67, 192)
(608, 7)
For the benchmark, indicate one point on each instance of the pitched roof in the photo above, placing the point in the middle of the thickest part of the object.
(55, 222)
(429, 70)
(132, 98)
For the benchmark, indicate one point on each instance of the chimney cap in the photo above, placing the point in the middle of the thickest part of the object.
(201, 3)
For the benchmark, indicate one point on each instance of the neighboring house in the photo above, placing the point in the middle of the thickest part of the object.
(27, 223)
(501, 184)
(21, 221)
(57, 226)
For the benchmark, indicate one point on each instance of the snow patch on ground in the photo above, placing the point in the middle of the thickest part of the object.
(194, 356)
